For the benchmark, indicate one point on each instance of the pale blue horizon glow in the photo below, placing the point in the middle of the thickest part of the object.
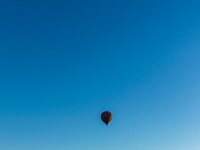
(64, 62)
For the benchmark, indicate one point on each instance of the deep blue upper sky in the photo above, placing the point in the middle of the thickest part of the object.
(64, 62)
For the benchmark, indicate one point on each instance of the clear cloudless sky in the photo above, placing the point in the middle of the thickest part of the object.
(64, 62)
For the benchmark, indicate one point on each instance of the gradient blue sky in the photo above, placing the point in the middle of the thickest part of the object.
(63, 62)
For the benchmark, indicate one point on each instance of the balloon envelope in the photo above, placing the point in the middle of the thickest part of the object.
(106, 117)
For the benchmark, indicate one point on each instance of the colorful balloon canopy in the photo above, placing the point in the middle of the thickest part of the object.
(106, 117)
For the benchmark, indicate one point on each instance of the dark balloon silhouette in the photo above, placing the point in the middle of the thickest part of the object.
(106, 117)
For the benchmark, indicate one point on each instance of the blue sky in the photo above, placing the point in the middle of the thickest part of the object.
(64, 62)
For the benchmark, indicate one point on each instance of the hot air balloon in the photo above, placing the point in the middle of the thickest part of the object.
(106, 117)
